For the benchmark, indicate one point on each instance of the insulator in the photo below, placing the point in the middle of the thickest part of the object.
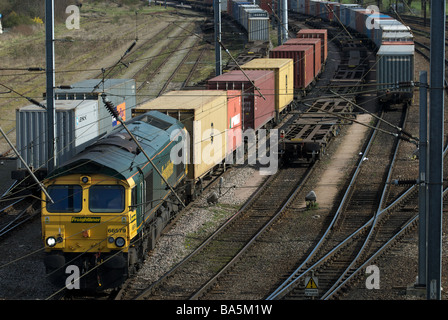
(110, 107)
(404, 182)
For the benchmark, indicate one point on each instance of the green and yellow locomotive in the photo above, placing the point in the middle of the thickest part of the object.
(110, 205)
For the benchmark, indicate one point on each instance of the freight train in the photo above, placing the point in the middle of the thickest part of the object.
(111, 204)
(392, 40)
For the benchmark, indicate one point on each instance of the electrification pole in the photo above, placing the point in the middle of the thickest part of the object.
(435, 164)
(422, 192)
(49, 51)
(217, 22)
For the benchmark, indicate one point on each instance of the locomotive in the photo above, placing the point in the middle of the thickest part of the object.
(110, 205)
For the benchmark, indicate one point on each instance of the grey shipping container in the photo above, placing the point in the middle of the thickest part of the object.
(76, 126)
(258, 29)
(121, 92)
(395, 64)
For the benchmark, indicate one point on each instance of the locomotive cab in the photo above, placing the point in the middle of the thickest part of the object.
(90, 214)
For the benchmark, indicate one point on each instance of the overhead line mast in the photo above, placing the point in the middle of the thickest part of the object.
(49, 51)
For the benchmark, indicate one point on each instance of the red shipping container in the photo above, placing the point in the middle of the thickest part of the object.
(316, 43)
(266, 5)
(234, 120)
(256, 110)
(307, 7)
(316, 33)
(361, 16)
(303, 57)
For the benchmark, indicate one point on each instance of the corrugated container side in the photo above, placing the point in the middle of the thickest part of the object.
(374, 20)
(395, 63)
(242, 16)
(314, 7)
(316, 33)
(301, 6)
(76, 127)
(204, 115)
(258, 29)
(307, 7)
(387, 25)
(256, 110)
(294, 5)
(317, 44)
(327, 10)
(345, 13)
(360, 20)
(234, 120)
(303, 57)
(236, 9)
(284, 74)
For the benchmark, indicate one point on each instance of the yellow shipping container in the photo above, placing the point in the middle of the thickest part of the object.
(204, 115)
(284, 78)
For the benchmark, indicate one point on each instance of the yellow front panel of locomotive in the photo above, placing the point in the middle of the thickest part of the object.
(87, 231)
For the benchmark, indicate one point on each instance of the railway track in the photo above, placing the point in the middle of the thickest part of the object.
(361, 225)
(221, 250)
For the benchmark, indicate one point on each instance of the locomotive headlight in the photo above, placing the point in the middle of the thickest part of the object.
(119, 242)
(111, 239)
(51, 241)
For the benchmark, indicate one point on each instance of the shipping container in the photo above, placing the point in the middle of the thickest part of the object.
(303, 6)
(204, 115)
(258, 29)
(372, 22)
(121, 92)
(236, 9)
(395, 63)
(249, 13)
(284, 79)
(345, 10)
(317, 44)
(257, 110)
(234, 128)
(316, 33)
(294, 5)
(388, 26)
(360, 20)
(76, 126)
(394, 37)
(242, 13)
(314, 7)
(265, 5)
(327, 10)
(303, 59)
(353, 17)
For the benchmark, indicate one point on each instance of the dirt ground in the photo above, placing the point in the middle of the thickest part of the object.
(104, 35)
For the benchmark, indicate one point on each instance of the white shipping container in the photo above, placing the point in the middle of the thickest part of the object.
(77, 124)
